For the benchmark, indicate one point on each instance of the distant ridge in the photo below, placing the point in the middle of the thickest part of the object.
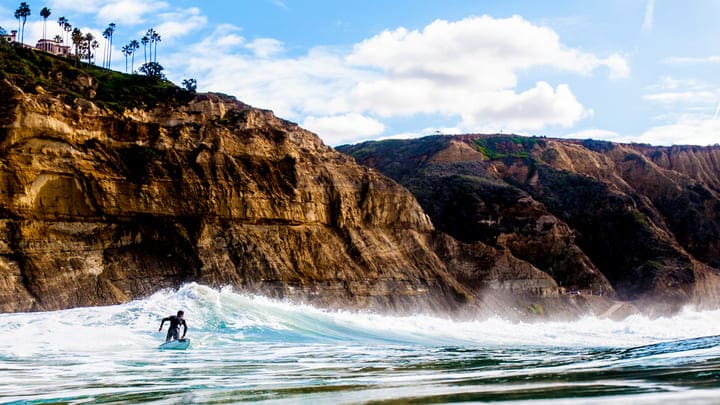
(639, 220)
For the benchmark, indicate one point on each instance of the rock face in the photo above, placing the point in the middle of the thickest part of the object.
(638, 222)
(114, 186)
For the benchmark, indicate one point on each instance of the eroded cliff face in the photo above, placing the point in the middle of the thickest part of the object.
(107, 194)
(102, 207)
(638, 222)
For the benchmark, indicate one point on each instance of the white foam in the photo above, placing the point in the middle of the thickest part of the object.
(223, 316)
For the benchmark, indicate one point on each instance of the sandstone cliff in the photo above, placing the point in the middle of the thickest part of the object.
(114, 186)
(638, 222)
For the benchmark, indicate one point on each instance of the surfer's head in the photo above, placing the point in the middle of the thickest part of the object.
(180, 314)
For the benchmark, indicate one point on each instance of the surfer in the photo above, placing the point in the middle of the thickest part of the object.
(175, 322)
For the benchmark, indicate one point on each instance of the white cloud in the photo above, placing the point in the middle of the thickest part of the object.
(668, 83)
(679, 60)
(180, 23)
(469, 69)
(684, 97)
(532, 109)
(129, 12)
(649, 16)
(74, 7)
(593, 133)
(688, 129)
(465, 71)
(476, 51)
(265, 47)
(343, 128)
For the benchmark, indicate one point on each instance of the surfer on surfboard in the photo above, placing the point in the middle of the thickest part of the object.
(175, 322)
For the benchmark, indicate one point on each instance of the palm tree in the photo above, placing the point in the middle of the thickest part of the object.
(125, 51)
(88, 40)
(145, 40)
(156, 39)
(149, 35)
(111, 27)
(77, 39)
(45, 13)
(94, 45)
(17, 16)
(67, 27)
(134, 46)
(106, 34)
(58, 39)
(22, 13)
(61, 22)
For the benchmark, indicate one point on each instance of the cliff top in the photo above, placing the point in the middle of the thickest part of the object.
(36, 72)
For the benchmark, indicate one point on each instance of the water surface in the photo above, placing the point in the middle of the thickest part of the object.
(254, 349)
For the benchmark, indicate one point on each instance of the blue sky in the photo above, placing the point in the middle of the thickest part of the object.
(620, 70)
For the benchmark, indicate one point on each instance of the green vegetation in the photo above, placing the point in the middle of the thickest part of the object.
(28, 69)
(85, 44)
(500, 146)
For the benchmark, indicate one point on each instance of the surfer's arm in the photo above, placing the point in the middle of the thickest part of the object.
(184, 328)
(162, 322)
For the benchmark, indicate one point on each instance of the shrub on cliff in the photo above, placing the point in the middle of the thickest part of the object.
(28, 69)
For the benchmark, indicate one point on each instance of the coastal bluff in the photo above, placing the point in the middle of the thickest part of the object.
(638, 222)
(115, 186)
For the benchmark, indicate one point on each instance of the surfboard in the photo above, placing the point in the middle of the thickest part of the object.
(179, 344)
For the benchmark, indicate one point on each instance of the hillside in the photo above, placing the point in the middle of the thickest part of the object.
(115, 186)
(639, 221)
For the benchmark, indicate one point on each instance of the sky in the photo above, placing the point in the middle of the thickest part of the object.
(619, 70)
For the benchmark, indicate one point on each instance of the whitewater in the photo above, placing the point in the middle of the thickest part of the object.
(247, 348)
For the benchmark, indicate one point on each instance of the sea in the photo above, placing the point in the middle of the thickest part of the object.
(252, 349)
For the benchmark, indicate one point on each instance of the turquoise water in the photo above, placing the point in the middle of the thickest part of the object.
(254, 349)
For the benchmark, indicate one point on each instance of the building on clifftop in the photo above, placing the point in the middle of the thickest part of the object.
(9, 37)
(53, 46)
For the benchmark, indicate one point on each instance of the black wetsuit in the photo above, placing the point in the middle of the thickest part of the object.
(174, 330)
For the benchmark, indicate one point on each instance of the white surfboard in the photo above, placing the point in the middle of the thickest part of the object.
(178, 344)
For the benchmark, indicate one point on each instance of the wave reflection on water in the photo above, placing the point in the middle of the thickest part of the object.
(249, 348)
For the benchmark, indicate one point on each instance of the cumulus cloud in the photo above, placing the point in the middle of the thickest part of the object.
(345, 128)
(465, 70)
(476, 51)
(687, 129)
(180, 23)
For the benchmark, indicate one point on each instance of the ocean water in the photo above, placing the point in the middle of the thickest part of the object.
(253, 349)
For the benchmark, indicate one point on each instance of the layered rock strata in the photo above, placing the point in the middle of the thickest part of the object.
(637, 222)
